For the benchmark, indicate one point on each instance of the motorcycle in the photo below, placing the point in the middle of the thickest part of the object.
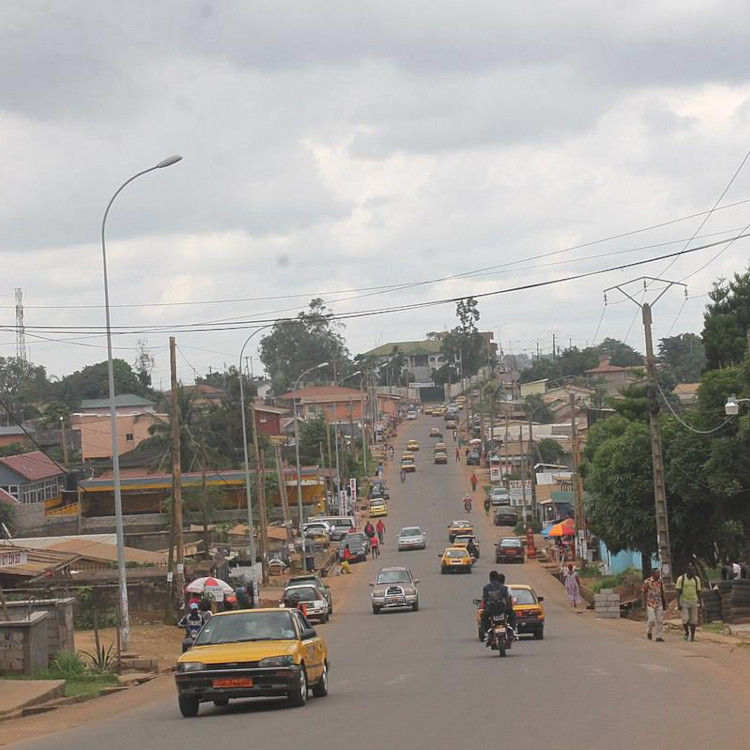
(467, 505)
(500, 635)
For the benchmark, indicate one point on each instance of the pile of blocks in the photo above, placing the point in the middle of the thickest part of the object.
(607, 603)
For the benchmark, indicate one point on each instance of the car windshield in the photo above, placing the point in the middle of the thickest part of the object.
(464, 539)
(299, 580)
(523, 596)
(510, 543)
(456, 553)
(394, 576)
(247, 626)
(411, 532)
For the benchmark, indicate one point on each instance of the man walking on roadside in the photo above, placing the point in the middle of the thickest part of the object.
(688, 588)
(380, 528)
(655, 603)
(474, 481)
(458, 455)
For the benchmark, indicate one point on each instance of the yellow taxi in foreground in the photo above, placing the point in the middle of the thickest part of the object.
(252, 653)
(530, 615)
(412, 445)
(378, 508)
(455, 560)
(459, 528)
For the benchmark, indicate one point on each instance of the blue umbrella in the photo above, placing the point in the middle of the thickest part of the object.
(546, 530)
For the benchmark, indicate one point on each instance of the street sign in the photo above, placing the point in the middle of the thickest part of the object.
(495, 474)
(516, 489)
(8, 559)
(353, 490)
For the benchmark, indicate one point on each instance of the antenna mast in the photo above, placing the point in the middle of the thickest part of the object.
(20, 330)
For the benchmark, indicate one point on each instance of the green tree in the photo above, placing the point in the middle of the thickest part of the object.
(463, 347)
(92, 382)
(726, 321)
(144, 363)
(619, 353)
(538, 410)
(550, 451)
(297, 344)
(313, 434)
(22, 385)
(542, 369)
(684, 356)
(51, 415)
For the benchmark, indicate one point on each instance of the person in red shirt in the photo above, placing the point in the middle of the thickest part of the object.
(374, 547)
(380, 528)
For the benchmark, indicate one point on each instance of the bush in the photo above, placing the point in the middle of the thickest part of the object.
(520, 527)
(68, 665)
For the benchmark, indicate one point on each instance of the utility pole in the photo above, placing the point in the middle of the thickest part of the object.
(532, 476)
(64, 440)
(580, 510)
(660, 489)
(284, 497)
(177, 474)
(260, 475)
(523, 469)
(554, 345)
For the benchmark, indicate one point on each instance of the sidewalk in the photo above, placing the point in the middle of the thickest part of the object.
(16, 695)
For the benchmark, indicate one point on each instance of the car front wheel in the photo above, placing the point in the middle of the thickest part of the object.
(189, 706)
(298, 696)
(320, 688)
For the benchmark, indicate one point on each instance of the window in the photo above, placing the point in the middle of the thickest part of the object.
(129, 437)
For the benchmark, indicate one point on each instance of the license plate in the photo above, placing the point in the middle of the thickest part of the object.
(393, 602)
(232, 682)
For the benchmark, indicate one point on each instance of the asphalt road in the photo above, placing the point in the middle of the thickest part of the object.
(423, 680)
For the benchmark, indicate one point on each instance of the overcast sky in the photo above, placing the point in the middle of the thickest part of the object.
(344, 148)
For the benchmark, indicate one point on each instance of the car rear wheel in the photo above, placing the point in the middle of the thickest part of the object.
(539, 635)
(320, 688)
(189, 706)
(298, 696)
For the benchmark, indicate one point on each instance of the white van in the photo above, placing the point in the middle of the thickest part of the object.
(341, 525)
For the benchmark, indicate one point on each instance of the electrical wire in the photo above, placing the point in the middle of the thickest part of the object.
(685, 424)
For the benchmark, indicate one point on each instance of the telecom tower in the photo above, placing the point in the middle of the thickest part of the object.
(20, 331)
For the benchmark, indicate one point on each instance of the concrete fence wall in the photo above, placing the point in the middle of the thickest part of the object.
(60, 627)
(23, 645)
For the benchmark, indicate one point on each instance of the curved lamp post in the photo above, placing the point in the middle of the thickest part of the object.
(296, 441)
(120, 533)
(248, 493)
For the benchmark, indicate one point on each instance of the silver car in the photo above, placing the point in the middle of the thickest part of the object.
(395, 588)
(412, 537)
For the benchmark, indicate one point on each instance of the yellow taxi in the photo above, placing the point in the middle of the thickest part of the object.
(407, 462)
(378, 508)
(428, 410)
(527, 605)
(252, 653)
(455, 560)
(438, 411)
(462, 540)
(459, 528)
(412, 445)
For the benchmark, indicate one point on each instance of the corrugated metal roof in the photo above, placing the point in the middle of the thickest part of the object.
(123, 400)
(33, 466)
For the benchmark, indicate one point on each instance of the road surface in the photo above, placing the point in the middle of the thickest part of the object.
(423, 680)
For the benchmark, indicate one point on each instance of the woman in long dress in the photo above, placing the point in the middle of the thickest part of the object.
(572, 585)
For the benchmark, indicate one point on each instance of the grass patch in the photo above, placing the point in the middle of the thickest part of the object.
(713, 627)
(88, 685)
(630, 577)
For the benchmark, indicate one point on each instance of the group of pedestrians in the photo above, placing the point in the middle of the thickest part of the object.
(376, 535)
(688, 588)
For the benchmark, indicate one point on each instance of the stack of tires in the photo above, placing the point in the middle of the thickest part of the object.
(711, 600)
(740, 601)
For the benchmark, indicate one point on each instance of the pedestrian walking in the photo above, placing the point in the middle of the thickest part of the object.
(655, 603)
(380, 528)
(474, 481)
(572, 585)
(455, 435)
(374, 547)
(487, 505)
(458, 455)
(688, 589)
(369, 530)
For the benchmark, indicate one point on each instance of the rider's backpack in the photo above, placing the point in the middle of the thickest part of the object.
(495, 602)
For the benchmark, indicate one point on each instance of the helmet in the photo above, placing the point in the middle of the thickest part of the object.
(194, 605)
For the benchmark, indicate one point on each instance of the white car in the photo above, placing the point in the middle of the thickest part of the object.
(499, 496)
(412, 537)
(411, 415)
(313, 599)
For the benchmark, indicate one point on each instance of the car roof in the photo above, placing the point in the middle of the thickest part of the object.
(457, 549)
(234, 612)
(521, 586)
(465, 524)
(406, 528)
(394, 569)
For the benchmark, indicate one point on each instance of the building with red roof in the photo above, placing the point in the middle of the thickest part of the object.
(31, 477)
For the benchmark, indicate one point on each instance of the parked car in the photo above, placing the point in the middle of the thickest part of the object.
(411, 537)
(395, 588)
(341, 525)
(318, 531)
(378, 488)
(314, 579)
(509, 549)
(473, 459)
(358, 546)
(313, 599)
(499, 496)
(505, 516)
(289, 659)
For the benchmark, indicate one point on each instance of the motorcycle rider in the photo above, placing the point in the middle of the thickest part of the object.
(467, 503)
(471, 548)
(192, 622)
(496, 600)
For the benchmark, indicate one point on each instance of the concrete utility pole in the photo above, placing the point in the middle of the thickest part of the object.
(177, 472)
(660, 489)
(260, 475)
(532, 475)
(64, 440)
(284, 497)
(580, 510)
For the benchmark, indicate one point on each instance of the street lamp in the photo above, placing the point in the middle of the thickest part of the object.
(248, 494)
(732, 406)
(296, 440)
(336, 438)
(120, 533)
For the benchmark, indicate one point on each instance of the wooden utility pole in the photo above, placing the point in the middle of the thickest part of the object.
(660, 489)
(532, 475)
(176, 472)
(284, 498)
(260, 475)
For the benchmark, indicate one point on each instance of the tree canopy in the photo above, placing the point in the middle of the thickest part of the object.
(726, 321)
(92, 382)
(297, 344)
(684, 356)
